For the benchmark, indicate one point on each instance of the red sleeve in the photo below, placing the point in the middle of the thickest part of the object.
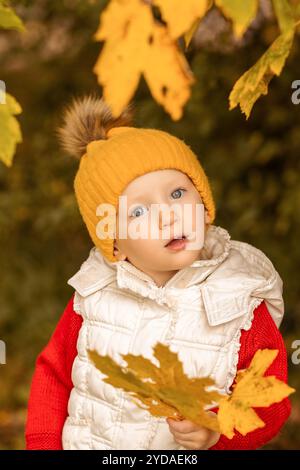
(262, 334)
(51, 384)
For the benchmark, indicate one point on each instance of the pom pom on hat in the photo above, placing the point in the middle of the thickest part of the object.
(87, 119)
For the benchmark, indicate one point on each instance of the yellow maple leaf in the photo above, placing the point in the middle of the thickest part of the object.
(251, 390)
(181, 15)
(10, 132)
(285, 16)
(165, 390)
(136, 44)
(167, 73)
(190, 33)
(8, 18)
(254, 83)
(295, 7)
(126, 27)
(241, 13)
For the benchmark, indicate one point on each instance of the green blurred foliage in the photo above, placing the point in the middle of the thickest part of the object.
(253, 167)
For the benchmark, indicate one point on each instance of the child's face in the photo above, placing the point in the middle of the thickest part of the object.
(168, 187)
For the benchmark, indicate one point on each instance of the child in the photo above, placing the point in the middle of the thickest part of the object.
(214, 301)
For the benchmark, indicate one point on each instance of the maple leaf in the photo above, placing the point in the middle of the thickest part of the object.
(10, 133)
(241, 13)
(251, 389)
(165, 390)
(8, 19)
(254, 83)
(136, 45)
(186, 13)
(285, 14)
(126, 28)
(167, 73)
(190, 33)
(295, 6)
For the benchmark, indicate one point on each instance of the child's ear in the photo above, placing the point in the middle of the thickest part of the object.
(207, 217)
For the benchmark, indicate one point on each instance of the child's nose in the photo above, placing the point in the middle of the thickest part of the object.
(168, 219)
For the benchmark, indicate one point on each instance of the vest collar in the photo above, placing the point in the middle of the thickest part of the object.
(231, 278)
(97, 272)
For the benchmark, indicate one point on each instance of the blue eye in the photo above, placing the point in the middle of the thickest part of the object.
(137, 211)
(178, 194)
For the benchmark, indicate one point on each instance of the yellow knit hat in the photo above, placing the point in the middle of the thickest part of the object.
(115, 154)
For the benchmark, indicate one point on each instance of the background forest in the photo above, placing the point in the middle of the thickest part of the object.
(253, 166)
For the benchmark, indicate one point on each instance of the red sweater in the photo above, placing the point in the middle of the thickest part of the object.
(51, 383)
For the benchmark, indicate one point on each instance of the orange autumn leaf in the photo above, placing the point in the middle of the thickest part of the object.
(136, 45)
(125, 27)
(167, 73)
(251, 390)
(187, 12)
(163, 391)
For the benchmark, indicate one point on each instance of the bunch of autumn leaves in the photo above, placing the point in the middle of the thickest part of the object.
(137, 44)
(167, 391)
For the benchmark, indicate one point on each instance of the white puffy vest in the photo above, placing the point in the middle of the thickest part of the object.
(199, 313)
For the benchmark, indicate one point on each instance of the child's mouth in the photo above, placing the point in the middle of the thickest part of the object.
(177, 243)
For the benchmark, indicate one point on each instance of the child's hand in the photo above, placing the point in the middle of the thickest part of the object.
(191, 436)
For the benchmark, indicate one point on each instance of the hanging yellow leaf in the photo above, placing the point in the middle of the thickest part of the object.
(126, 27)
(8, 19)
(136, 44)
(295, 6)
(254, 83)
(10, 133)
(180, 15)
(284, 13)
(167, 73)
(251, 390)
(241, 13)
(165, 390)
(190, 33)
